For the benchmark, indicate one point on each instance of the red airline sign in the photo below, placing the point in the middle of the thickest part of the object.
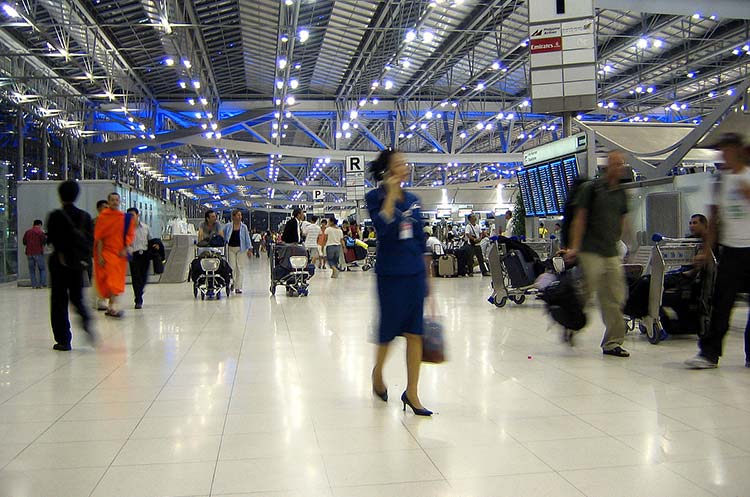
(543, 45)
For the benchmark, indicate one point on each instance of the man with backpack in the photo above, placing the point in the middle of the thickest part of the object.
(113, 235)
(70, 232)
(597, 224)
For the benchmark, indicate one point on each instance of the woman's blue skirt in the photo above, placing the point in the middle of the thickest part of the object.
(401, 301)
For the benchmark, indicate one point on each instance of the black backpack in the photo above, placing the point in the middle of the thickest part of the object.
(569, 210)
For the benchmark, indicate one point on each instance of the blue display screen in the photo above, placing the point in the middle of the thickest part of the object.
(545, 187)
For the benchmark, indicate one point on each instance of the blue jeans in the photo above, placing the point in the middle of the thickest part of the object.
(37, 262)
(333, 253)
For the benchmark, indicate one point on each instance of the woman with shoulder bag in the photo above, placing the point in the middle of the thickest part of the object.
(401, 270)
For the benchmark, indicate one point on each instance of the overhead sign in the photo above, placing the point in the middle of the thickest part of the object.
(584, 26)
(319, 195)
(545, 45)
(562, 51)
(355, 177)
(355, 164)
(558, 148)
(545, 31)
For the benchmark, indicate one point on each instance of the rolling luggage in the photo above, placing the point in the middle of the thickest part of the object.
(447, 266)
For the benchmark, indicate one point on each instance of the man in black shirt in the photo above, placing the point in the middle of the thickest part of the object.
(71, 233)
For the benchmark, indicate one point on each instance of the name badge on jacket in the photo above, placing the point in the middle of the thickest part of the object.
(405, 230)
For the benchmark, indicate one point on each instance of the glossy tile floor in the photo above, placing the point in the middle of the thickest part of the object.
(271, 396)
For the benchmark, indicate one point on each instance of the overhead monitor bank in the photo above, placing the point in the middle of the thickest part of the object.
(548, 174)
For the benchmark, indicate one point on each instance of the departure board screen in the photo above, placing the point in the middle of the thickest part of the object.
(525, 186)
(537, 191)
(561, 184)
(570, 165)
(547, 189)
(544, 187)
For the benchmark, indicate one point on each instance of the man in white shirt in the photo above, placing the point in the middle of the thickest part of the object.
(473, 238)
(256, 238)
(140, 257)
(732, 211)
(311, 231)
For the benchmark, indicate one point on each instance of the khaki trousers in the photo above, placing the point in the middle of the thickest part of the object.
(234, 258)
(605, 277)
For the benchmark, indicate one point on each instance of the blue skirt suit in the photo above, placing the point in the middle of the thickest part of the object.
(399, 265)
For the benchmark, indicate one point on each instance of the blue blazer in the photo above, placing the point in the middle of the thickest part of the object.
(396, 257)
(245, 242)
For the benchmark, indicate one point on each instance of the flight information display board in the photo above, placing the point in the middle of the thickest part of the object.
(525, 186)
(545, 186)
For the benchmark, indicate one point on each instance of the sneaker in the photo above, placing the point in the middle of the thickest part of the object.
(138, 306)
(237, 291)
(61, 347)
(617, 352)
(700, 362)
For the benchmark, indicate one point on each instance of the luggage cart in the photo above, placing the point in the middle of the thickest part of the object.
(502, 286)
(370, 259)
(668, 254)
(290, 268)
(210, 282)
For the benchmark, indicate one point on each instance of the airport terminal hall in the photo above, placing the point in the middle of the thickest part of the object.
(374, 248)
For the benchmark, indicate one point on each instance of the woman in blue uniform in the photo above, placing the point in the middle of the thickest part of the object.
(401, 272)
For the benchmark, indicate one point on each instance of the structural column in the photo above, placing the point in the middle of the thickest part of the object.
(64, 144)
(21, 132)
(45, 151)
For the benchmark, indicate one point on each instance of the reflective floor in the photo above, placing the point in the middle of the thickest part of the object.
(257, 395)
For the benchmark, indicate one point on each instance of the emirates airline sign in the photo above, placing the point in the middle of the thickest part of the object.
(545, 45)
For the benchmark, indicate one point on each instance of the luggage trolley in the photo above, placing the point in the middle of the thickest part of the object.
(210, 273)
(504, 284)
(667, 254)
(290, 268)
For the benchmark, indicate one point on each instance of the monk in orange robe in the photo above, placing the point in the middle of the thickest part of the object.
(110, 253)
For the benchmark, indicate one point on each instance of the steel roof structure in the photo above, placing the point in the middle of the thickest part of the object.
(278, 91)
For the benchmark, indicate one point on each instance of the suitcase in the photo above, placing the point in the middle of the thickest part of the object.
(447, 266)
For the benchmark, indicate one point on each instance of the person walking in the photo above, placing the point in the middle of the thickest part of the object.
(140, 256)
(322, 243)
(311, 232)
(293, 227)
(598, 222)
(209, 227)
(334, 246)
(256, 239)
(238, 242)
(401, 269)
(729, 225)
(33, 241)
(113, 234)
(70, 232)
(100, 304)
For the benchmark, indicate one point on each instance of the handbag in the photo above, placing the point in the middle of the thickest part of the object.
(433, 339)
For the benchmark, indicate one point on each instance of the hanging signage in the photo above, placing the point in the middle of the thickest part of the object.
(354, 167)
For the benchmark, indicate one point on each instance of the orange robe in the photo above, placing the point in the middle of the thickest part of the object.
(110, 229)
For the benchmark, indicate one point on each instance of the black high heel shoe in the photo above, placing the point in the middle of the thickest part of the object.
(418, 412)
(383, 396)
